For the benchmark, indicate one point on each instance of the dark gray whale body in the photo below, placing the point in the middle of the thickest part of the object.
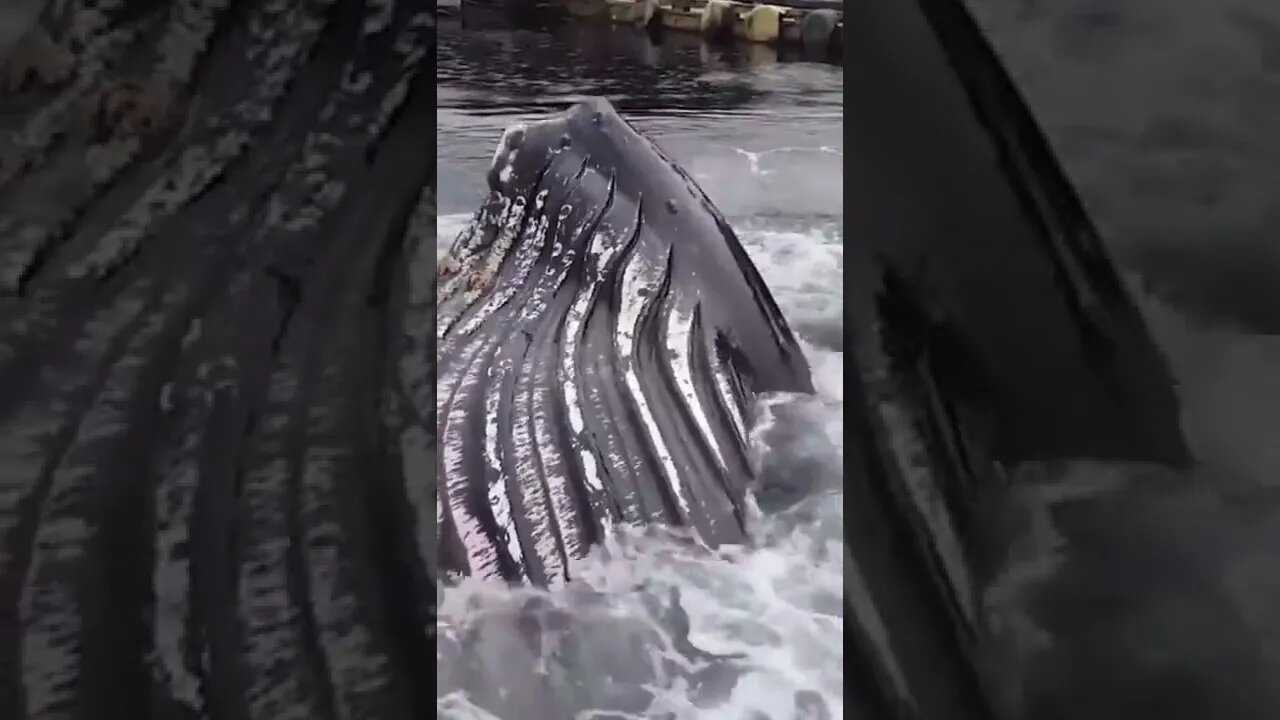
(601, 335)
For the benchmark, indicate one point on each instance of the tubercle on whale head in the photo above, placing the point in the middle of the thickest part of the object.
(590, 131)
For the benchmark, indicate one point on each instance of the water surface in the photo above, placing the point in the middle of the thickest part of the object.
(1164, 114)
(659, 627)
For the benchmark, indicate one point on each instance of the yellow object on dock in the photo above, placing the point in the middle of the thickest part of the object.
(760, 24)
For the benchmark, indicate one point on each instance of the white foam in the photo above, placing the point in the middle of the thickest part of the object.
(775, 608)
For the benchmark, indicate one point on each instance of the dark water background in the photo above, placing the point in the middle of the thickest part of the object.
(1167, 116)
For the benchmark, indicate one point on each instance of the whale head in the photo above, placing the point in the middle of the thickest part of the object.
(602, 337)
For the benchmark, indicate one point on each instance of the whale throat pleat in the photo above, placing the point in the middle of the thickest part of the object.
(585, 391)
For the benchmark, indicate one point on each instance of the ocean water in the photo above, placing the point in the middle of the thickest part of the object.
(658, 626)
(1132, 592)
(1139, 594)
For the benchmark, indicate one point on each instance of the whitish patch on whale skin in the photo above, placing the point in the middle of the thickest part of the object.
(679, 343)
(640, 284)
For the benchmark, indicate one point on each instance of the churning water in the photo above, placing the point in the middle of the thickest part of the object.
(662, 627)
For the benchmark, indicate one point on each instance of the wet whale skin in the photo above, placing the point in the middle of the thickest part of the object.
(602, 337)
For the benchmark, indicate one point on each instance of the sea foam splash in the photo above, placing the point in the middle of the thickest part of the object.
(664, 628)
(657, 625)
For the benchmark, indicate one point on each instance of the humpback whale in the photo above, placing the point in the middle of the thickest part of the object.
(601, 337)
(990, 331)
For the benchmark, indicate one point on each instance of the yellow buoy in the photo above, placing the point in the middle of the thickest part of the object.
(760, 24)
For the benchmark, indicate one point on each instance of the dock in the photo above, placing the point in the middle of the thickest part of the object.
(814, 27)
